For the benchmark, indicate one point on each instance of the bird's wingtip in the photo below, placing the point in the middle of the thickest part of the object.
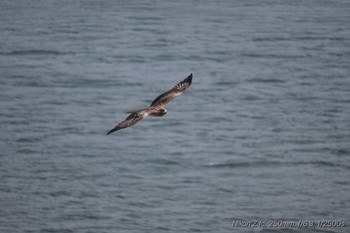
(111, 131)
(189, 79)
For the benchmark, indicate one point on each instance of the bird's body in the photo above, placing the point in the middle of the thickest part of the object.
(157, 107)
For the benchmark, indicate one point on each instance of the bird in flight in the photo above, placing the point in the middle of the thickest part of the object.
(157, 107)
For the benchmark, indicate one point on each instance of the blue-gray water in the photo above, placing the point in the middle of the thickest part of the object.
(263, 132)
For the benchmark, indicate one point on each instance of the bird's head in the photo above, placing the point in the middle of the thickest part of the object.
(162, 111)
(158, 111)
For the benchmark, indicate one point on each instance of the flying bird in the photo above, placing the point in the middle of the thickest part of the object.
(157, 107)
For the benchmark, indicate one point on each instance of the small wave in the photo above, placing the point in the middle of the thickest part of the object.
(231, 164)
(341, 151)
(266, 80)
(26, 151)
(321, 164)
(34, 83)
(271, 39)
(164, 162)
(33, 52)
(226, 83)
(272, 56)
(60, 230)
(29, 139)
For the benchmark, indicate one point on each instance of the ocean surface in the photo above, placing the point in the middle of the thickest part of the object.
(263, 133)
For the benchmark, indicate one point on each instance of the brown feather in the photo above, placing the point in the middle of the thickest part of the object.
(132, 119)
(157, 107)
(177, 90)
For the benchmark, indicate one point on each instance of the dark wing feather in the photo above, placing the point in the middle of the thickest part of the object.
(132, 119)
(179, 88)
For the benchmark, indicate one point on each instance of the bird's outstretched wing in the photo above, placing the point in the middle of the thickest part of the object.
(132, 119)
(179, 88)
